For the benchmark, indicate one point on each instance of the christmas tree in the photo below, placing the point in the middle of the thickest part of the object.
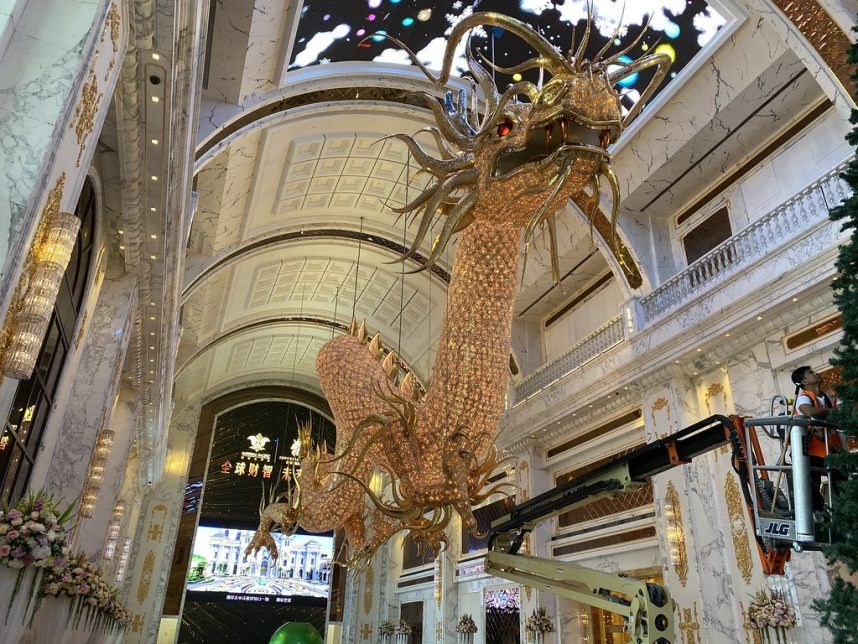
(839, 612)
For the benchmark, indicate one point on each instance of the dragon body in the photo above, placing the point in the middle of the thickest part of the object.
(508, 162)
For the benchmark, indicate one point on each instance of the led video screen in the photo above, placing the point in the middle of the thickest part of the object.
(219, 570)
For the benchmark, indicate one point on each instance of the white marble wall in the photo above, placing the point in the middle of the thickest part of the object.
(46, 63)
(94, 389)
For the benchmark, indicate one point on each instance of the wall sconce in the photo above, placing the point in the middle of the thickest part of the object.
(123, 560)
(95, 477)
(675, 534)
(30, 312)
(113, 531)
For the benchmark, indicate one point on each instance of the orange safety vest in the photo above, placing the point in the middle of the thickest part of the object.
(816, 443)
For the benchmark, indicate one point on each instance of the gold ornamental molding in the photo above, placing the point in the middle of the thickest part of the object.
(369, 579)
(823, 34)
(658, 405)
(738, 529)
(85, 112)
(676, 534)
(689, 627)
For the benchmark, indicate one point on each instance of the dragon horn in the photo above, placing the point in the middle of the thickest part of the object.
(662, 61)
(389, 365)
(375, 346)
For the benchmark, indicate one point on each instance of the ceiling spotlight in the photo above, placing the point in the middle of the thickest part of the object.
(121, 232)
(154, 178)
(795, 299)
(154, 141)
(699, 349)
(155, 99)
(727, 335)
(153, 257)
(154, 236)
(122, 248)
(759, 317)
(156, 57)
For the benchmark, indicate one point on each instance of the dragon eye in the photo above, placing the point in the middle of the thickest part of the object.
(504, 127)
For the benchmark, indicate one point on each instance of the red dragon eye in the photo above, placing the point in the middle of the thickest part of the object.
(505, 127)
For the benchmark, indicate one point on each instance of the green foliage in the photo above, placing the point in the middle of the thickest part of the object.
(839, 612)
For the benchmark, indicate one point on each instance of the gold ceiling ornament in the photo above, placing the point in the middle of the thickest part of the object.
(505, 168)
(33, 302)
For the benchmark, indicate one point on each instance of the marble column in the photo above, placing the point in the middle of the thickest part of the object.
(154, 541)
(445, 598)
(532, 478)
(64, 463)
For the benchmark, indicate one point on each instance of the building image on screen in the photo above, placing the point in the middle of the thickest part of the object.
(303, 567)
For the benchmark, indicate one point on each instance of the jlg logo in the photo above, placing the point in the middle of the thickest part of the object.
(781, 529)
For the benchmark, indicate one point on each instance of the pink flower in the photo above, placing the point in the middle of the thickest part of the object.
(12, 534)
(5, 550)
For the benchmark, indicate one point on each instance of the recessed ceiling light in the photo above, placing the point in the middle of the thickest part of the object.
(699, 349)
(154, 178)
(727, 335)
(152, 317)
(759, 317)
(154, 141)
(121, 232)
(154, 236)
(151, 333)
(795, 299)
(717, 362)
(122, 248)
(153, 209)
(155, 99)
(153, 348)
(151, 372)
(151, 304)
(153, 257)
(151, 359)
(156, 57)
(695, 373)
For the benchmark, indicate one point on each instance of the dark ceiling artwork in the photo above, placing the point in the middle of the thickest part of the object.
(333, 31)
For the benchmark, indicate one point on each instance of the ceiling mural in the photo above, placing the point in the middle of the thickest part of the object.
(333, 31)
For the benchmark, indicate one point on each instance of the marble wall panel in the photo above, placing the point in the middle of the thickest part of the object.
(53, 77)
(95, 386)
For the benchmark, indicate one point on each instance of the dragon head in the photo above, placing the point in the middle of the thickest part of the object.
(518, 155)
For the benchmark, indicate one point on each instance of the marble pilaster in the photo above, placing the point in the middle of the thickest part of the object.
(155, 536)
(64, 463)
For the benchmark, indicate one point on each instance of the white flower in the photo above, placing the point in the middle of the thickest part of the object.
(4, 528)
(15, 563)
(34, 515)
(41, 552)
(296, 447)
(16, 522)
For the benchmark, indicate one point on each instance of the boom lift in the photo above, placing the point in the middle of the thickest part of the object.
(780, 508)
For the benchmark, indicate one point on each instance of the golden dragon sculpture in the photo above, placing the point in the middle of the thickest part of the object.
(508, 161)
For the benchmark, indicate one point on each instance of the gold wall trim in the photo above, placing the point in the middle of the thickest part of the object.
(738, 529)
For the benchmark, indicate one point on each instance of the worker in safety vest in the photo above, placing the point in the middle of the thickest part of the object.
(811, 401)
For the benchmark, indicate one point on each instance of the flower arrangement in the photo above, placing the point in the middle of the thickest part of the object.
(92, 597)
(770, 610)
(538, 622)
(386, 629)
(32, 533)
(466, 625)
(402, 628)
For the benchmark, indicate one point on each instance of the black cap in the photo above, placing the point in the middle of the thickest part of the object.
(798, 375)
